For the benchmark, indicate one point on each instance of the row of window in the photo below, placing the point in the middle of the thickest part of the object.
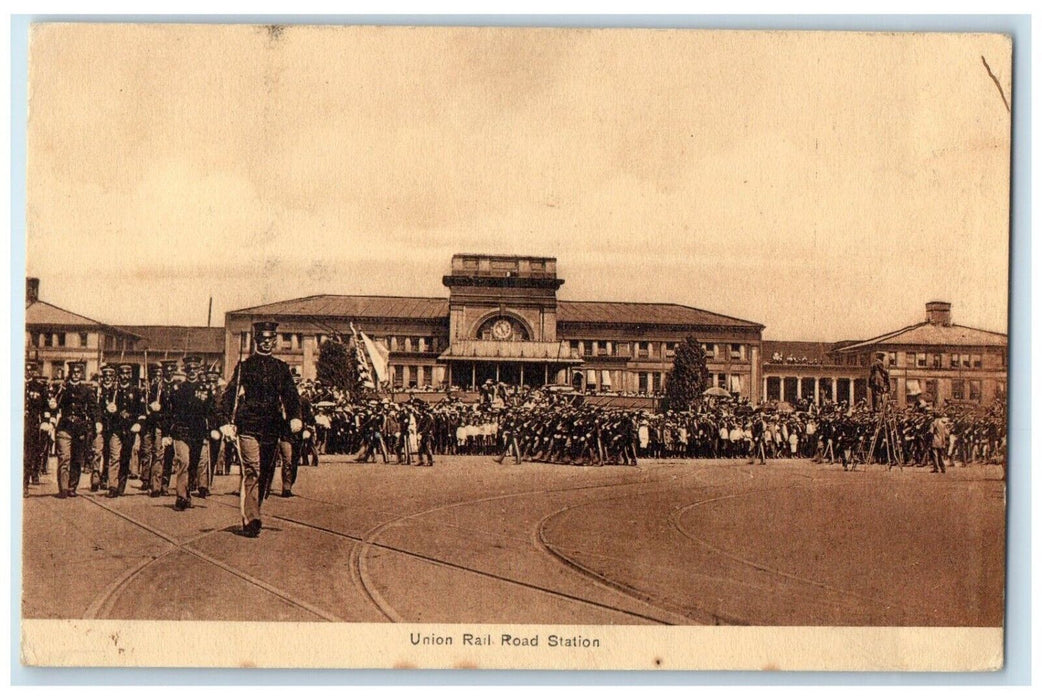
(64, 340)
(411, 376)
(935, 360)
(653, 349)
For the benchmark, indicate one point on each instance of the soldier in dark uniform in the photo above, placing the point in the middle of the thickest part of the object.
(100, 457)
(261, 398)
(425, 428)
(193, 413)
(80, 420)
(149, 427)
(216, 446)
(34, 446)
(124, 412)
(163, 457)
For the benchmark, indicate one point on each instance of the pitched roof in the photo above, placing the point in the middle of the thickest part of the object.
(926, 333)
(191, 338)
(641, 313)
(40, 313)
(352, 306)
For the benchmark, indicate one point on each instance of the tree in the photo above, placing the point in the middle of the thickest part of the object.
(688, 378)
(336, 367)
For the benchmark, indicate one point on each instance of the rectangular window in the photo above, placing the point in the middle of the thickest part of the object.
(974, 390)
(920, 359)
(671, 349)
(965, 361)
(709, 349)
(656, 381)
(953, 362)
(61, 340)
(48, 340)
(642, 382)
(721, 381)
(642, 349)
(891, 358)
(736, 351)
(936, 361)
(576, 348)
(958, 389)
(428, 376)
(975, 360)
(83, 340)
(399, 375)
(910, 359)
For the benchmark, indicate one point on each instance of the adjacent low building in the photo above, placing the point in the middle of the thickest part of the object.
(936, 360)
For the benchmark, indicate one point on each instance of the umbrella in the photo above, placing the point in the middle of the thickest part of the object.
(325, 404)
(717, 391)
(785, 407)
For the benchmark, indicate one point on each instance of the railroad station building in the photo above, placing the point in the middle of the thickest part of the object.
(503, 320)
(936, 360)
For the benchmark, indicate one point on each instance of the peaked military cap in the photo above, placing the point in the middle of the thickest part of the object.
(264, 328)
(169, 364)
(108, 369)
(73, 364)
(192, 361)
(127, 365)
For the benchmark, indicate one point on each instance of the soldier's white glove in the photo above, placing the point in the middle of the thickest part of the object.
(110, 407)
(155, 407)
(52, 404)
(306, 434)
(136, 428)
(228, 431)
(167, 442)
(295, 425)
(46, 427)
(98, 427)
(215, 434)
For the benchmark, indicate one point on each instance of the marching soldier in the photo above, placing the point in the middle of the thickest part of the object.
(80, 420)
(34, 446)
(124, 413)
(163, 456)
(192, 411)
(261, 397)
(218, 448)
(99, 473)
(149, 440)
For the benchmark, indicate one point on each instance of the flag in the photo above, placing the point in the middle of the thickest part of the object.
(378, 356)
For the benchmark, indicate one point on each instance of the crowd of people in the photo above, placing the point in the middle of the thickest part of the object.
(116, 428)
(538, 425)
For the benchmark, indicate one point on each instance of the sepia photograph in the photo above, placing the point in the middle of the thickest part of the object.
(515, 348)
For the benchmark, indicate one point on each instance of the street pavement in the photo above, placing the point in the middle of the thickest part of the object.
(695, 542)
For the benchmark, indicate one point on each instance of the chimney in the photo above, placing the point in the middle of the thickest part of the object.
(939, 313)
(32, 289)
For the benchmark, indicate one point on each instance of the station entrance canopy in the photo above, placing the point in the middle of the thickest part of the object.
(515, 362)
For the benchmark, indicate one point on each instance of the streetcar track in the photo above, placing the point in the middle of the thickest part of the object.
(676, 517)
(239, 573)
(374, 532)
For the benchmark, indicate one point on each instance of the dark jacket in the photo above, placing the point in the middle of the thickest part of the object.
(192, 411)
(79, 409)
(268, 398)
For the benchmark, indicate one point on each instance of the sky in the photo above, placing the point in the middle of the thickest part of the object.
(826, 185)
